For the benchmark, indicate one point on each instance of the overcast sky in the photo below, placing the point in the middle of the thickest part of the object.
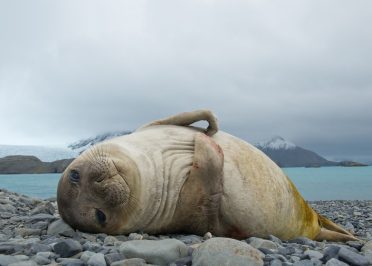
(298, 69)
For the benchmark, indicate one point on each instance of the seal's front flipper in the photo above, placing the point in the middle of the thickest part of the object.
(207, 168)
(202, 190)
(188, 118)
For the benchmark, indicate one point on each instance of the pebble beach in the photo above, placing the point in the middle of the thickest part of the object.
(32, 233)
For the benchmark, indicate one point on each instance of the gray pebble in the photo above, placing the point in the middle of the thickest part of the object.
(70, 262)
(154, 251)
(276, 262)
(352, 257)
(27, 231)
(313, 254)
(130, 262)
(135, 236)
(110, 241)
(112, 257)
(183, 261)
(24, 263)
(97, 259)
(7, 259)
(41, 260)
(335, 262)
(306, 263)
(303, 241)
(67, 248)
(39, 225)
(46, 207)
(330, 253)
(86, 255)
(37, 247)
(261, 243)
(58, 227)
(190, 239)
(41, 217)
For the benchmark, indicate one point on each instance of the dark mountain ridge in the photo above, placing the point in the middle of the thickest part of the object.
(24, 164)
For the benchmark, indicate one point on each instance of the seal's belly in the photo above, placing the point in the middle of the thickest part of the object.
(258, 197)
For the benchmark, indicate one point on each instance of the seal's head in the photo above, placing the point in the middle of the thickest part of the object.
(95, 193)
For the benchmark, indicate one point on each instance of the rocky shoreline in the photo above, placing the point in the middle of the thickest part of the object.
(33, 234)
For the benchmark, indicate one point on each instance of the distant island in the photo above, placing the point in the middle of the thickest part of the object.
(37, 160)
(24, 164)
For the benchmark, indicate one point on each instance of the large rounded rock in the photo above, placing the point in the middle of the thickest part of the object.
(161, 252)
(225, 251)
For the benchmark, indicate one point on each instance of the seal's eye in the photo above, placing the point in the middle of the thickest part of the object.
(101, 217)
(74, 176)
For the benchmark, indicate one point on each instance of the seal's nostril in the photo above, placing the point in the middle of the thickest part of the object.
(101, 217)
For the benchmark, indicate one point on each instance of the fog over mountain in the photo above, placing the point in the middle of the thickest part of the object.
(298, 69)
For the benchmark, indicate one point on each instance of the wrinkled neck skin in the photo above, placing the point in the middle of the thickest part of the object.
(163, 165)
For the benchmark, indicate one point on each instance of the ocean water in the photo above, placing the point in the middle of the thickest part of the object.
(325, 183)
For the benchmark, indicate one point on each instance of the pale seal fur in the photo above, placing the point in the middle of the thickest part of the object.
(170, 177)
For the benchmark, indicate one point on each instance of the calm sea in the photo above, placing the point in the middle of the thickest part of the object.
(325, 183)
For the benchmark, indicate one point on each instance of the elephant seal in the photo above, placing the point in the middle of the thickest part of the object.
(170, 177)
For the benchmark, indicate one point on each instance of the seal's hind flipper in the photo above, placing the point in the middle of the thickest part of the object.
(332, 232)
(188, 118)
(334, 236)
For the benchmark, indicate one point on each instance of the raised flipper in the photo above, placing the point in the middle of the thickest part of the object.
(332, 232)
(202, 191)
(187, 118)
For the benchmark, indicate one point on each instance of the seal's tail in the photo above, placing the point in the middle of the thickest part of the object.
(332, 232)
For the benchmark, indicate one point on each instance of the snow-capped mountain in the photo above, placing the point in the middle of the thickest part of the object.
(45, 154)
(276, 143)
(286, 154)
(83, 144)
